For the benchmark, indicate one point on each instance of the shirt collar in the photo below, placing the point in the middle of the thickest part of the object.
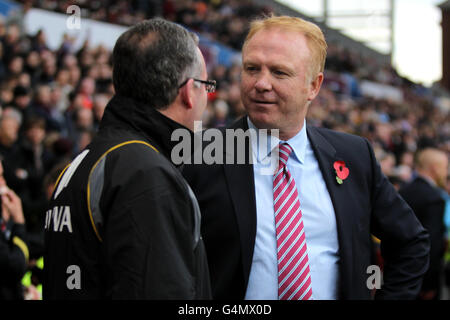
(298, 143)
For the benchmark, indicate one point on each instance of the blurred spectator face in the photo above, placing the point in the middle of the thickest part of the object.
(75, 75)
(387, 164)
(44, 95)
(234, 93)
(100, 102)
(219, 72)
(407, 159)
(24, 80)
(12, 33)
(234, 73)
(87, 59)
(384, 131)
(84, 118)
(49, 68)
(87, 86)
(103, 57)
(9, 129)
(22, 101)
(275, 87)
(220, 110)
(33, 59)
(77, 102)
(35, 135)
(62, 77)
(16, 65)
(105, 72)
(47, 57)
(70, 61)
(84, 139)
(93, 72)
(55, 95)
(6, 95)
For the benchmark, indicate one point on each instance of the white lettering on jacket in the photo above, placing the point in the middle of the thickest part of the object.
(58, 218)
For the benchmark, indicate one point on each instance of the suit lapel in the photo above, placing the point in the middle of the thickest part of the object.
(326, 156)
(241, 186)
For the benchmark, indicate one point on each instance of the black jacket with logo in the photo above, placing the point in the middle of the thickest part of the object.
(123, 223)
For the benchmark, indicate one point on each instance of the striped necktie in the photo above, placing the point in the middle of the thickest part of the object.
(294, 279)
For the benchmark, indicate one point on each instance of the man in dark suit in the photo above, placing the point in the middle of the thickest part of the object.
(425, 198)
(304, 230)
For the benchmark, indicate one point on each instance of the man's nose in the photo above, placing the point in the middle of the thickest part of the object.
(263, 82)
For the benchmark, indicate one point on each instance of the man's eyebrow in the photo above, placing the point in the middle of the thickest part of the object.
(274, 65)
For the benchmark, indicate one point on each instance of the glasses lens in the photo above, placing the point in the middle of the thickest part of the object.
(211, 87)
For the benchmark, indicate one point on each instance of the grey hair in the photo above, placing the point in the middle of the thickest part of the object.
(11, 113)
(194, 69)
(151, 59)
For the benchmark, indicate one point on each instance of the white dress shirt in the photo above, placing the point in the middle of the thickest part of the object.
(318, 217)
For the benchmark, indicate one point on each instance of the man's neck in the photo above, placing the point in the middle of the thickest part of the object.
(174, 114)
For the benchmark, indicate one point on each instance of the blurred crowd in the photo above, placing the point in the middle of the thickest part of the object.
(52, 100)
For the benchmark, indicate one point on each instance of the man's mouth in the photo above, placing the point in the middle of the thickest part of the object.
(266, 102)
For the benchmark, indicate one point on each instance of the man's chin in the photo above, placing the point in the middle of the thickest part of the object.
(262, 121)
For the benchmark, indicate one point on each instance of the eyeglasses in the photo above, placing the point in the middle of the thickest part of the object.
(210, 85)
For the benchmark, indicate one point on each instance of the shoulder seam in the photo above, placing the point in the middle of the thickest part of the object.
(88, 192)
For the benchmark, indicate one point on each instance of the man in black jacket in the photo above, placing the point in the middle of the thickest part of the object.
(123, 223)
(425, 198)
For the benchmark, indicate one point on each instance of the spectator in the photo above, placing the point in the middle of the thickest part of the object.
(10, 122)
(99, 104)
(426, 200)
(22, 101)
(87, 89)
(13, 247)
(42, 106)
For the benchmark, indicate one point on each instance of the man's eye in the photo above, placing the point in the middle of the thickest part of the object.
(279, 73)
(250, 68)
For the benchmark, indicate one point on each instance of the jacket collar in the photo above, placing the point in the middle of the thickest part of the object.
(131, 115)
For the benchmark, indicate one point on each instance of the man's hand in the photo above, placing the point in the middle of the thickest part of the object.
(12, 206)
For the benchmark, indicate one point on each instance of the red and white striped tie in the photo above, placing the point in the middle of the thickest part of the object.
(294, 278)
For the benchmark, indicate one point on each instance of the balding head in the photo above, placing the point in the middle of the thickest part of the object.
(433, 163)
(152, 59)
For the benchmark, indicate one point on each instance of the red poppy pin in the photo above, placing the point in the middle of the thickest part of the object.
(342, 171)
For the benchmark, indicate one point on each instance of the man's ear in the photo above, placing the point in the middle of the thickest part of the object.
(315, 85)
(187, 94)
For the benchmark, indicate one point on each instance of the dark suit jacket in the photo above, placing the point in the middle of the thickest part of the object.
(365, 203)
(428, 205)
